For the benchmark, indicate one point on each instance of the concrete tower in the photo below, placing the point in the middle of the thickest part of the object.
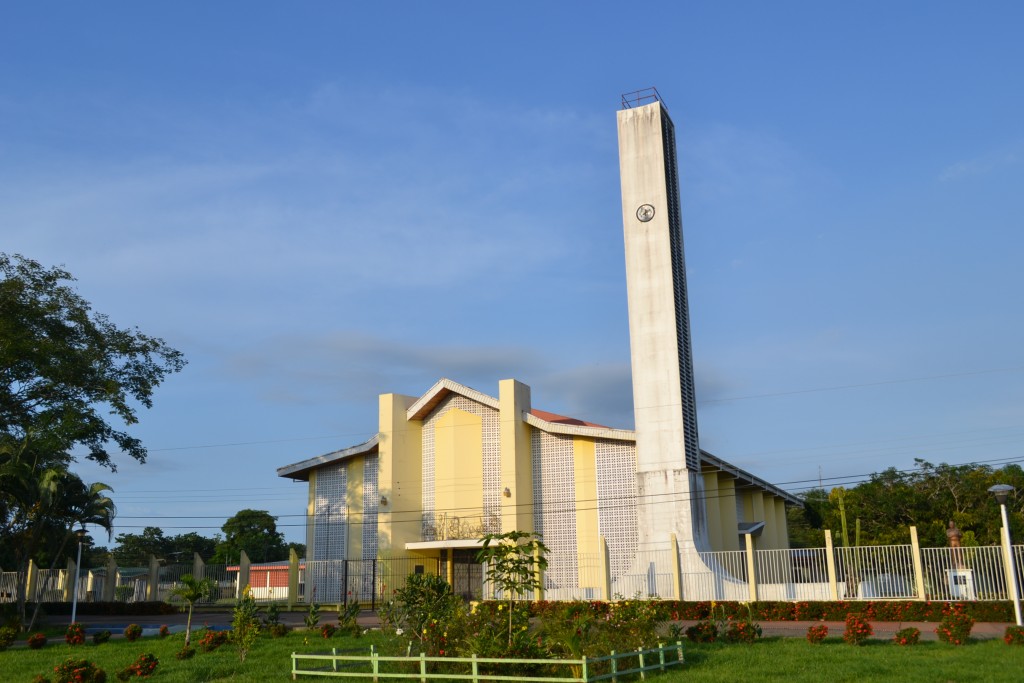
(670, 487)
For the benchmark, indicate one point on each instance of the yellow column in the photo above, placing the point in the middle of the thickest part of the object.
(727, 509)
(311, 515)
(781, 524)
(751, 577)
(830, 563)
(516, 456)
(585, 476)
(757, 504)
(399, 475)
(714, 515)
(293, 577)
(354, 477)
(915, 549)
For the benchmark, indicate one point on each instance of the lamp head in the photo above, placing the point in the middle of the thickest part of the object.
(1001, 492)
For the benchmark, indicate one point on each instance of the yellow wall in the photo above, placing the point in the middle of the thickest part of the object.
(587, 533)
(458, 464)
(354, 476)
(766, 539)
(400, 476)
(781, 523)
(516, 456)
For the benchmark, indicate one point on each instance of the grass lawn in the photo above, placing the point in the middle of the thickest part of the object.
(776, 659)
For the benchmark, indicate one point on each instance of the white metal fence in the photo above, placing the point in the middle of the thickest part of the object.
(858, 573)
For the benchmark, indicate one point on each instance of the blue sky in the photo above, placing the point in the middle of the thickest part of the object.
(318, 202)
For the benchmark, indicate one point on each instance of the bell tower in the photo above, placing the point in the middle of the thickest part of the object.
(669, 483)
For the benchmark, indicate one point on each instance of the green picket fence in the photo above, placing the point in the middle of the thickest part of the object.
(377, 667)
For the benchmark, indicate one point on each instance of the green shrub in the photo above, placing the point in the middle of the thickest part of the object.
(1014, 635)
(907, 636)
(100, 637)
(817, 633)
(78, 671)
(186, 652)
(858, 629)
(245, 627)
(8, 634)
(211, 640)
(75, 634)
(955, 627)
(704, 631)
(132, 632)
(143, 667)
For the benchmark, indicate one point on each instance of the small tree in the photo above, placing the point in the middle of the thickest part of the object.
(245, 627)
(513, 559)
(192, 590)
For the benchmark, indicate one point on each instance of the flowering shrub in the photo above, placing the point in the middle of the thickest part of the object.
(1014, 635)
(40, 678)
(704, 631)
(78, 671)
(327, 630)
(741, 631)
(211, 640)
(164, 631)
(817, 633)
(277, 630)
(955, 627)
(858, 629)
(101, 637)
(807, 610)
(37, 640)
(185, 652)
(7, 636)
(75, 635)
(907, 636)
(143, 667)
(133, 632)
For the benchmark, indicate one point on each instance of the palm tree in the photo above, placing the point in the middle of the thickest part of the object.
(69, 502)
(192, 590)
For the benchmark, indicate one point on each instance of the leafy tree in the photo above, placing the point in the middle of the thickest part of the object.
(192, 590)
(512, 560)
(68, 378)
(133, 550)
(183, 546)
(255, 532)
(927, 497)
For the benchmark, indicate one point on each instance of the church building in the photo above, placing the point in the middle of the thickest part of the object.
(614, 506)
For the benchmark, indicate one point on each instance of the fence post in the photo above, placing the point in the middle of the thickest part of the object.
(538, 575)
(423, 668)
(153, 587)
(30, 581)
(243, 573)
(751, 578)
(69, 580)
(198, 567)
(110, 582)
(606, 574)
(915, 548)
(677, 571)
(293, 577)
(830, 564)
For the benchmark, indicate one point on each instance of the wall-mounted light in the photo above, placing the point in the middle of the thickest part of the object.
(383, 500)
(507, 492)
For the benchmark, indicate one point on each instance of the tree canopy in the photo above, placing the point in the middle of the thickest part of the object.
(69, 378)
(65, 368)
(255, 532)
(928, 497)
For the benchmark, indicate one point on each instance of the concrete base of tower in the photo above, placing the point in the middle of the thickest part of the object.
(671, 502)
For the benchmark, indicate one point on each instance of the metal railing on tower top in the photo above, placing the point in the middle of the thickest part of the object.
(641, 97)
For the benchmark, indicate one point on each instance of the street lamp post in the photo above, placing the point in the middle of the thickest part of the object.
(78, 569)
(1001, 492)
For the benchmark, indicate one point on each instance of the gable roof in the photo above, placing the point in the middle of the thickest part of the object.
(300, 470)
(441, 389)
